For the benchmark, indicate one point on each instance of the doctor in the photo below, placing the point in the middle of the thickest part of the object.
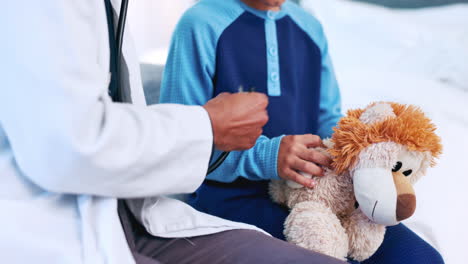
(67, 152)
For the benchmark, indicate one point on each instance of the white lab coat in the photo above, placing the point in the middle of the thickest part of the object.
(66, 150)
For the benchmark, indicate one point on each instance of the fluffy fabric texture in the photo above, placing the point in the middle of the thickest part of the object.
(377, 113)
(326, 225)
(327, 219)
(363, 245)
(410, 128)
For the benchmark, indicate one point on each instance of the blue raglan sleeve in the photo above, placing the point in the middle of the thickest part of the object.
(188, 79)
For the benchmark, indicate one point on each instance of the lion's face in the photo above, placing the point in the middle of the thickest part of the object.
(385, 148)
(383, 179)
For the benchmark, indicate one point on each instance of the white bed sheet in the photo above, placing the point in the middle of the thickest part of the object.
(418, 57)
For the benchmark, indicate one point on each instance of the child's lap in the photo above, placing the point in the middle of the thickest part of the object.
(249, 202)
(403, 246)
(242, 201)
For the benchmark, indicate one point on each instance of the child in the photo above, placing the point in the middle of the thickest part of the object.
(280, 50)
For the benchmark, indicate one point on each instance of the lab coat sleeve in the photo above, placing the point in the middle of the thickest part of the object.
(66, 134)
(188, 79)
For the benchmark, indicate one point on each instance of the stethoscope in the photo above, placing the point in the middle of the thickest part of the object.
(117, 96)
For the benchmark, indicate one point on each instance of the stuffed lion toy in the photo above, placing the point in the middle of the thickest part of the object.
(378, 154)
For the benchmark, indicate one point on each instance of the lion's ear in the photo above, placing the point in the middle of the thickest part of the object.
(426, 162)
(377, 112)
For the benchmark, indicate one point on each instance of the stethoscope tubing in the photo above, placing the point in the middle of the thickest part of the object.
(120, 34)
(119, 40)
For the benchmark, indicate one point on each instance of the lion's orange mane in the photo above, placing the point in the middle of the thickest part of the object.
(410, 128)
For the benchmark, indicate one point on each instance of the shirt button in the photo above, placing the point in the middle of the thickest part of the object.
(274, 76)
(271, 14)
(273, 51)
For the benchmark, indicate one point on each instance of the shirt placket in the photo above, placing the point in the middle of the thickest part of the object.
(273, 67)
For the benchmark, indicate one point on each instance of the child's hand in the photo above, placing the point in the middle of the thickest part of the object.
(295, 155)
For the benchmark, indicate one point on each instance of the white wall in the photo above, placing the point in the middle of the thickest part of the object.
(152, 23)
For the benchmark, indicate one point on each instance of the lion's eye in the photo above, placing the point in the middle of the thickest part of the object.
(407, 173)
(397, 166)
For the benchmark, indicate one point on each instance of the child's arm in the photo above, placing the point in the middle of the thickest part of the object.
(188, 79)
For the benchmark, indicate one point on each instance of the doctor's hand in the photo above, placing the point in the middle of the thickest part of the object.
(295, 154)
(237, 119)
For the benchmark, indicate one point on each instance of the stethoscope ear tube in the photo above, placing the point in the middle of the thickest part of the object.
(120, 34)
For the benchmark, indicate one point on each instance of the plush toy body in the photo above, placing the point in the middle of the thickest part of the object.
(378, 153)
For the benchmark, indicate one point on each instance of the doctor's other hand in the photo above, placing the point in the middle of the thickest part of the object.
(296, 154)
(237, 119)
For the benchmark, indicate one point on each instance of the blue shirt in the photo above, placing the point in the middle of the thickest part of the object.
(221, 45)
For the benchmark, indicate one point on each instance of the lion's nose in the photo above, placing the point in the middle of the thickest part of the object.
(406, 205)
